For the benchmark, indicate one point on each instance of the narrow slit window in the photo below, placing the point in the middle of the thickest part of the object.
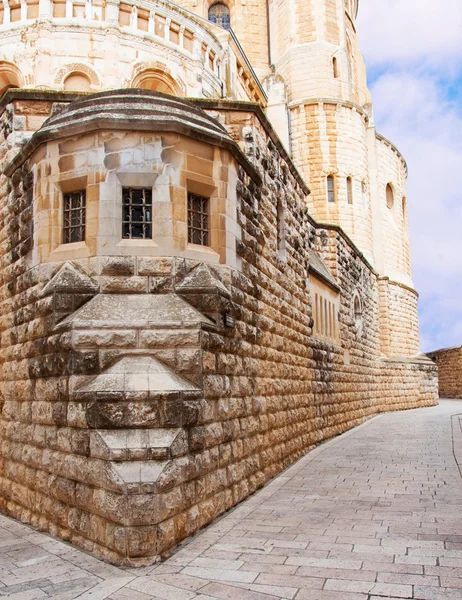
(137, 213)
(330, 189)
(390, 196)
(198, 220)
(350, 190)
(335, 67)
(74, 217)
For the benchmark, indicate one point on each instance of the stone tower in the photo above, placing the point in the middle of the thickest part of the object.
(307, 55)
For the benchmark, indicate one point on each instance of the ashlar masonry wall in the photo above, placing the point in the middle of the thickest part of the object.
(449, 363)
(132, 412)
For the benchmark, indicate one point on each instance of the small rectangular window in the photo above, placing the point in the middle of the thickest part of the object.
(350, 190)
(137, 213)
(198, 220)
(74, 217)
(330, 189)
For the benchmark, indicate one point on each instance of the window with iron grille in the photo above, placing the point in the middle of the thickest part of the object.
(219, 14)
(137, 213)
(198, 220)
(74, 217)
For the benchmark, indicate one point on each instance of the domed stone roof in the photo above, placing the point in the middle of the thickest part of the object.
(133, 110)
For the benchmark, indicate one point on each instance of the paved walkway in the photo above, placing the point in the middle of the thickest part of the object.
(376, 513)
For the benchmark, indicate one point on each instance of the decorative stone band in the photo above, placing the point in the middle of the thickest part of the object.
(346, 103)
(133, 110)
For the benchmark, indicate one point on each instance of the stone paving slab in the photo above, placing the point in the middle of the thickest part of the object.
(375, 513)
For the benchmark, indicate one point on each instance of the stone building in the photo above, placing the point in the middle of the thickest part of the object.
(449, 362)
(194, 292)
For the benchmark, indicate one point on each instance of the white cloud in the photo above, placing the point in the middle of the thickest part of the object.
(411, 31)
(415, 51)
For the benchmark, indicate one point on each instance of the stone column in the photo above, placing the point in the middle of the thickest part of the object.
(152, 23)
(6, 12)
(112, 12)
(45, 9)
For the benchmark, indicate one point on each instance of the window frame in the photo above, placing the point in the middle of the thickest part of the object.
(132, 206)
(219, 21)
(67, 230)
(332, 191)
(203, 214)
(349, 184)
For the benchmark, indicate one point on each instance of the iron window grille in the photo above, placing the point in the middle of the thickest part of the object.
(198, 220)
(137, 213)
(74, 208)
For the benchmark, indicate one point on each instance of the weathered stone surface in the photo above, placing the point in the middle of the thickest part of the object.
(449, 362)
(140, 417)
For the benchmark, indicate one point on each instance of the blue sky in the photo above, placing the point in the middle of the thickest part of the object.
(413, 52)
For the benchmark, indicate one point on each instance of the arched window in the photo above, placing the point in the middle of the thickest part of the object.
(349, 183)
(156, 81)
(77, 82)
(10, 77)
(335, 67)
(219, 14)
(331, 189)
(390, 196)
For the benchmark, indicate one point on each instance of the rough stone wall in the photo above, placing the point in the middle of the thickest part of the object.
(127, 476)
(399, 332)
(449, 363)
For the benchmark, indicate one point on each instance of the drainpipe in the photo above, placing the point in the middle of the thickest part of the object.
(269, 31)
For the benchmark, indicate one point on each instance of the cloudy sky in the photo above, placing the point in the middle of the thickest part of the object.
(413, 51)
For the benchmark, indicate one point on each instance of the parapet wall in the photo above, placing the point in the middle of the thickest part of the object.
(449, 363)
(142, 395)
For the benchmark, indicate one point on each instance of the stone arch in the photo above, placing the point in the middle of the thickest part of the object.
(77, 82)
(10, 76)
(220, 13)
(79, 69)
(156, 77)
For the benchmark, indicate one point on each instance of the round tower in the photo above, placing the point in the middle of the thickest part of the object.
(357, 178)
(314, 49)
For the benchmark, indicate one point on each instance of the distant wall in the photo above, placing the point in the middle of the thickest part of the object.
(449, 361)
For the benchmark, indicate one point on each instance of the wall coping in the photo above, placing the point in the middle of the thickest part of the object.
(441, 350)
